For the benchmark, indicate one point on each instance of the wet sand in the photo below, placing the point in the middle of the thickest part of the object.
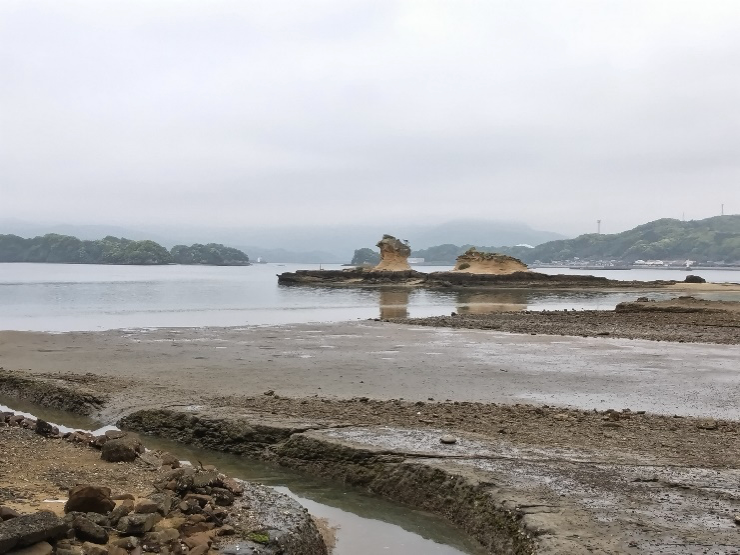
(144, 368)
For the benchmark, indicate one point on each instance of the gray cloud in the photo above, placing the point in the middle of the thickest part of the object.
(283, 112)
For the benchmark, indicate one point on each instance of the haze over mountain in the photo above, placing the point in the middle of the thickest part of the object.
(303, 243)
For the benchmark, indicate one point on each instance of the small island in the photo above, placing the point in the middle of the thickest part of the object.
(473, 268)
(65, 249)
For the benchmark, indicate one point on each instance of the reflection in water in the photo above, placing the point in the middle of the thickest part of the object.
(485, 302)
(394, 303)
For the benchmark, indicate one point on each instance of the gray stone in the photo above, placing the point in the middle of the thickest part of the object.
(136, 524)
(126, 507)
(88, 531)
(27, 530)
(448, 440)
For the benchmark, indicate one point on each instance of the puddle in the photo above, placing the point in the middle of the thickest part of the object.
(366, 525)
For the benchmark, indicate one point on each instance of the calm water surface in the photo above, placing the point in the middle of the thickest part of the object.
(66, 297)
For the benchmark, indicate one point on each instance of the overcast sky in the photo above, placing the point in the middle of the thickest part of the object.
(556, 113)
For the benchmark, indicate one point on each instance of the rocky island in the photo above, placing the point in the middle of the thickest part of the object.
(472, 269)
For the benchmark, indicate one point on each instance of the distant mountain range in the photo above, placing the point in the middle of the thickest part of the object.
(714, 239)
(302, 244)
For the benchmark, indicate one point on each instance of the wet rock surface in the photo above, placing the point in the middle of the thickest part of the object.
(542, 478)
(696, 322)
(27, 530)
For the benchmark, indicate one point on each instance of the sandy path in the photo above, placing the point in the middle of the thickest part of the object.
(386, 361)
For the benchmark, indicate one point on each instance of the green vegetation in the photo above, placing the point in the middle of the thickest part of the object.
(63, 249)
(365, 256)
(713, 239)
(212, 254)
(710, 240)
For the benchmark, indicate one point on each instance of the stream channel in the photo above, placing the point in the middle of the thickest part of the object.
(365, 524)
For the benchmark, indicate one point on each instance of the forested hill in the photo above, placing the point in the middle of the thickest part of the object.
(714, 239)
(64, 249)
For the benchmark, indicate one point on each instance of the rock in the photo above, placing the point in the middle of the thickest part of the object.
(694, 279)
(97, 518)
(122, 496)
(152, 459)
(41, 548)
(231, 484)
(89, 499)
(202, 500)
(448, 440)
(126, 507)
(146, 506)
(127, 543)
(161, 537)
(477, 262)
(168, 459)
(115, 550)
(225, 530)
(188, 530)
(43, 428)
(98, 441)
(94, 549)
(68, 550)
(124, 449)
(27, 530)
(164, 502)
(79, 437)
(199, 550)
(114, 434)
(197, 539)
(88, 531)
(204, 479)
(6, 513)
(394, 255)
(136, 524)
(708, 424)
(222, 496)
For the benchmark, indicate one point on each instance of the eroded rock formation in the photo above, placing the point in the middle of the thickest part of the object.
(394, 255)
(476, 262)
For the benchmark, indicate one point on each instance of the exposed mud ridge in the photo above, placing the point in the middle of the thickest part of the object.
(666, 323)
(52, 393)
(231, 436)
(533, 280)
(463, 498)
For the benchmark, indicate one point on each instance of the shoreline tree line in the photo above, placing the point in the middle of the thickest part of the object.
(65, 249)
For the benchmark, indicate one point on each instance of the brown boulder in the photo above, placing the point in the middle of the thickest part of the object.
(89, 499)
(124, 449)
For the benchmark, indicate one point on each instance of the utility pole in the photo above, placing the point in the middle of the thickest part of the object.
(598, 227)
(723, 210)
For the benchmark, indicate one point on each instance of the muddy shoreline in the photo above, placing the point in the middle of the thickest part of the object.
(522, 477)
(687, 322)
(374, 445)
